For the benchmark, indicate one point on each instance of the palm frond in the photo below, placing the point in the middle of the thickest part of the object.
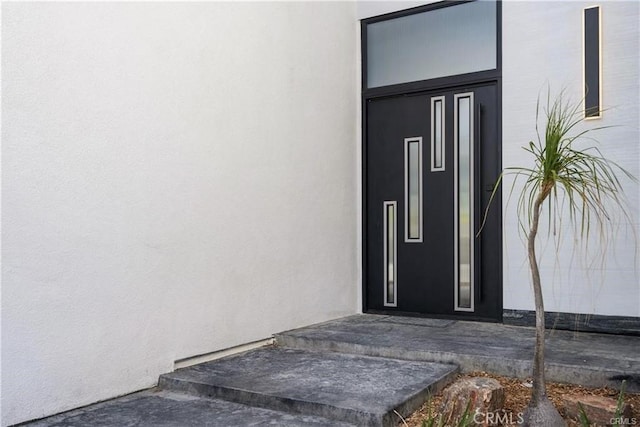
(585, 187)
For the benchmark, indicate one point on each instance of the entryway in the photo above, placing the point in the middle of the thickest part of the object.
(431, 157)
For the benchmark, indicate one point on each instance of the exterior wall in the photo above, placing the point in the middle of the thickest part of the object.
(542, 44)
(178, 178)
(371, 8)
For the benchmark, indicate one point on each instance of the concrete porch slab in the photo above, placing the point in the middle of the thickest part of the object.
(349, 388)
(167, 409)
(581, 358)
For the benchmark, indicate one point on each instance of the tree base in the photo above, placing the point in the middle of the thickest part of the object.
(542, 413)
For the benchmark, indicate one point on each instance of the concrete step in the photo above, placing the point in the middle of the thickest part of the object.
(355, 389)
(168, 409)
(588, 359)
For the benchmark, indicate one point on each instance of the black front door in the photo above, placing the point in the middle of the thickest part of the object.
(431, 161)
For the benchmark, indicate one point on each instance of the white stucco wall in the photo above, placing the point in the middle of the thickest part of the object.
(542, 44)
(371, 8)
(178, 178)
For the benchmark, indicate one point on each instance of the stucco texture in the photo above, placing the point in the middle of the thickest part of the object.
(177, 178)
(542, 47)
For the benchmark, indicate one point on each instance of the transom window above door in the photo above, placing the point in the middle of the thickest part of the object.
(446, 41)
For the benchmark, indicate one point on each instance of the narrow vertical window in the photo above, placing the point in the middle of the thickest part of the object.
(437, 133)
(413, 189)
(463, 200)
(592, 62)
(390, 253)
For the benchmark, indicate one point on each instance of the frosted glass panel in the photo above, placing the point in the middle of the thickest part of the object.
(443, 42)
(464, 141)
(413, 189)
(390, 253)
(437, 134)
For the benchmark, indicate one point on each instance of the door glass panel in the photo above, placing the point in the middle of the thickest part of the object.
(437, 133)
(464, 201)
(413, 189)
(390, 254)
(442, 42)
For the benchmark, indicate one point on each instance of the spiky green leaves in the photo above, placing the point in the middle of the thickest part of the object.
(570, 172)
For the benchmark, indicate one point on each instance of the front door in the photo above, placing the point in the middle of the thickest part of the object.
(431, 161)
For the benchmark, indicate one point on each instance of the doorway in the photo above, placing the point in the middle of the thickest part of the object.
(432, 159)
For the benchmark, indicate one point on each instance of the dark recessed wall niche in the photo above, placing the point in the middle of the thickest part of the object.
(592, 69)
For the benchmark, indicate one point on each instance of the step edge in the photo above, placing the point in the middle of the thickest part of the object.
(267, 401)
(556, 371)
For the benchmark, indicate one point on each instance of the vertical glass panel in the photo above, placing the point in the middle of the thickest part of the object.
(464, 196)
(592, 67)
(437, 134)
(413, 189)
(390, 254)
(442, 42)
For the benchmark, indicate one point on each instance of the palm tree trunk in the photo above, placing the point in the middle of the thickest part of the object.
(540, 411)
(539, 383)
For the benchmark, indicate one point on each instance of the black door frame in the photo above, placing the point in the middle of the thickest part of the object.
(442, 83)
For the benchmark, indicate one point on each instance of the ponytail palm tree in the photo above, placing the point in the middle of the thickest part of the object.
(576, 184)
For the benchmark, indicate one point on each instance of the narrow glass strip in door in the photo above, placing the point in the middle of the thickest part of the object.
(390, 253)
(463, 201)
(413, 189)
(437, 133)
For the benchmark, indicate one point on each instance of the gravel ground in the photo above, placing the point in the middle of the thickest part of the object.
(517, 397)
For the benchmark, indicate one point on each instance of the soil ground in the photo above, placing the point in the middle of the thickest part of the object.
(517, 396)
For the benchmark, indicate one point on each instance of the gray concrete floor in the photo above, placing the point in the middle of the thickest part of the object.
(359, 389)
(333, 369)
(157, 408)
(573, 357)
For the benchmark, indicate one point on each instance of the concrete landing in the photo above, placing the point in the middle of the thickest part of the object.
(350, 388)
(580, 358)
(161, 408)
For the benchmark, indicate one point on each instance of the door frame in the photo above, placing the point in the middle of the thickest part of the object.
(462, 81)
